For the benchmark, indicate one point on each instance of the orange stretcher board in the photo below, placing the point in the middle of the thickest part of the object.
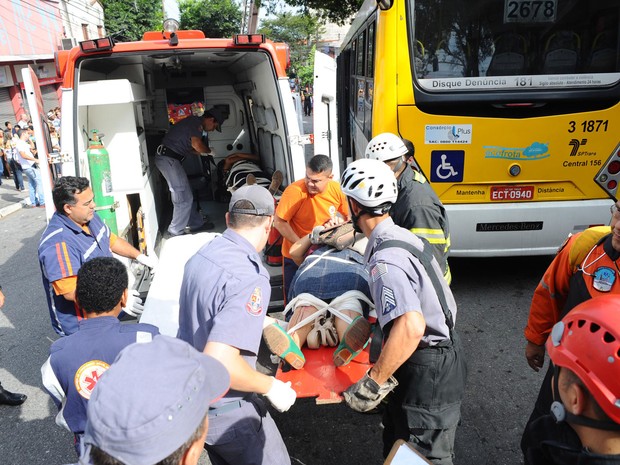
(321, 379)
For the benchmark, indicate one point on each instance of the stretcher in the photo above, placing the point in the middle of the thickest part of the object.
(320, 378)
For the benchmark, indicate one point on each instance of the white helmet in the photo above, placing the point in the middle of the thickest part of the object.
(372, 183)
(384, 147)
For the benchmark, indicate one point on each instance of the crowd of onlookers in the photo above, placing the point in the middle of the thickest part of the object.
(18, 153)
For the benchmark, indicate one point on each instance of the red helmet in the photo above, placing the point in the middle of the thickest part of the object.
(587, 342)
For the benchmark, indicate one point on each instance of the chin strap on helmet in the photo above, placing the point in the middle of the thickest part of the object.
(560, 414)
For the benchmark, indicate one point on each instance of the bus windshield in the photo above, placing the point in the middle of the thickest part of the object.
(514, 44)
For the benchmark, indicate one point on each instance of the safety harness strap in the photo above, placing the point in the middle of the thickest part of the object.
(425, 257)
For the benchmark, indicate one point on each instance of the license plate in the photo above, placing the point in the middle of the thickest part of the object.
(512, 193)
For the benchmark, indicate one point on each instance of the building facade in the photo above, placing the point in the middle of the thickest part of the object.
(30, 32)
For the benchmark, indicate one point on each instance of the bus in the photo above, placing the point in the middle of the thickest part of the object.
(513, 107)
(129, 94)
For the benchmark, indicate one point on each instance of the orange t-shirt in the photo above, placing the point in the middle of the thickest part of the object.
(303, 211)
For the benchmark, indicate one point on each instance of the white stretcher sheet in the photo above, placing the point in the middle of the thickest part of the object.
(162, 303)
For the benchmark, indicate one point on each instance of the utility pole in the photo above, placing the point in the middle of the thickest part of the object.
(253, 23)
(249, 19)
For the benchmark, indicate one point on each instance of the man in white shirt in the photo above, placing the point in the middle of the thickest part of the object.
(30, 168)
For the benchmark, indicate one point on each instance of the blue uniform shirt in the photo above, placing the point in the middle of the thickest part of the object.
(76, 363)
(64, 247)
(178, 137)
(399, 283)
(224, 298)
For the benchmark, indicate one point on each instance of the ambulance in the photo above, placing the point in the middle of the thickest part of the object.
(119, 99)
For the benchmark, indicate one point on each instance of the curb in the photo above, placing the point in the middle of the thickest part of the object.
(5, 211)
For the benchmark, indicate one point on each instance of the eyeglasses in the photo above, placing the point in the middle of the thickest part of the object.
(615, 210)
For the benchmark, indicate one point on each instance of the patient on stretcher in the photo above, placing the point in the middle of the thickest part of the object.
(329, 298)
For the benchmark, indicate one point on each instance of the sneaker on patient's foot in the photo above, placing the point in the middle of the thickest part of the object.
(281, 344)
(353, 341)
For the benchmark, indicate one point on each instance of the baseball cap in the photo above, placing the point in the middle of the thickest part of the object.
(258, 196)
(219, 116)
(151, 400)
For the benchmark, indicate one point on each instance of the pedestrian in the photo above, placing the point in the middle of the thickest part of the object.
(151, 406)
(78, 361)
(307, 98)
(5, 168)
(74, 235)
(583, 424)
(11, 153)
(584, 267)
(24, 121)
(421, 360)
(316, 200)
(417, 207)
(184, 139)
(224, 299)
(30, 167)
(7, 397)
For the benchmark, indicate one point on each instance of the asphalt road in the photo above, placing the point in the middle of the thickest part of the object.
(493, 297)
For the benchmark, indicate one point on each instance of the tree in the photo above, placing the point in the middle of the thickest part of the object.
(300, 32)
(337, 11)
(127, 20)
(216, 18)
(305, 71)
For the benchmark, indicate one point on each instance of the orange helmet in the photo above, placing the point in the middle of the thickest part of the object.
(587, 342)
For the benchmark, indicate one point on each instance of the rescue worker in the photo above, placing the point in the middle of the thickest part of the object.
(151, 406)
(585, 267)
(76, 362)
(417, 207)
(421, 361)
(74, 235)
(223, 303)
(583, 426)
(183, 139)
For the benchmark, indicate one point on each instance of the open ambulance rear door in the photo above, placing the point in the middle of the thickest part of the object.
(42, 134)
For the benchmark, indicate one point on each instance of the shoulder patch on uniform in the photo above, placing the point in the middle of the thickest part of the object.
(87, 377)
(388, 300)
(604, 278)
(254, 305)
(377, 271)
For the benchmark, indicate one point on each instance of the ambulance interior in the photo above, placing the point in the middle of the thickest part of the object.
(131, 98)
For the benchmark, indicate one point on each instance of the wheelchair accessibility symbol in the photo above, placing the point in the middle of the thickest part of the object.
(447, 165)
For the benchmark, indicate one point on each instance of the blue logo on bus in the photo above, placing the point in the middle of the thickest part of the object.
(447, 165)
(536, 151)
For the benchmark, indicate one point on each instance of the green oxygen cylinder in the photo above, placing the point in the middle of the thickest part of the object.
(101, 180)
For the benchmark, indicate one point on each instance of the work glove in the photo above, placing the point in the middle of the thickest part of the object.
(281, 395)
(148, 260)
(366, 394)
(315, 235)
(134, 303)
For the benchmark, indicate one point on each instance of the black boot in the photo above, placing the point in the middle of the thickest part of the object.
(10, 398)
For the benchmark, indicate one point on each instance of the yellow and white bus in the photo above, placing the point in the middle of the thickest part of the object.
(513, 106)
